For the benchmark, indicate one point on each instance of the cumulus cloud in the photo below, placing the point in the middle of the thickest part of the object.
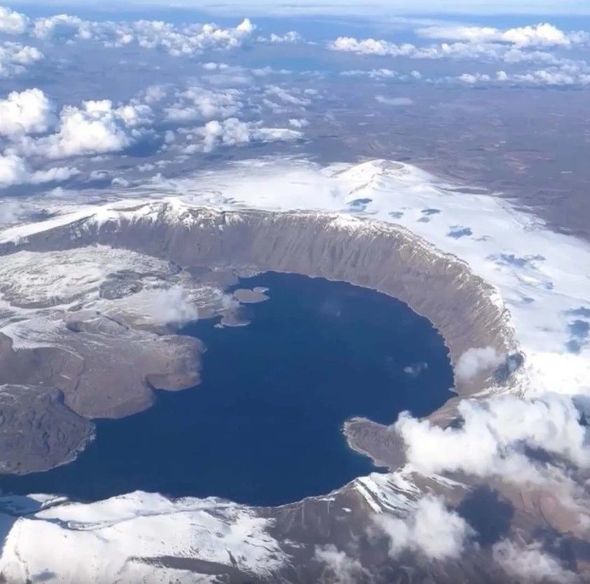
(371, 47)
(188, 40)
(27, 112)
(341, 567)
(12, 22)
(181, 40)
(230, 132)
(290, 38)
(564, 75)
(543, 34)
(379, 74)
(16, 58)
(458, 50)
(234, 132)
(384, 48)
(473, 78)
(476, 361)
(198, 103)
(529, 563)
(298, 123)
(494, 437)
(430, 529)
(155, 94)
(62, 25)
(55, 174)
(14, 170)
(94, 128)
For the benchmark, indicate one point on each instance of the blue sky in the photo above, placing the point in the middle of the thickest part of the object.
(562, 7)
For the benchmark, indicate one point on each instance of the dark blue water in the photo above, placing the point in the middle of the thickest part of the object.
(264, 427)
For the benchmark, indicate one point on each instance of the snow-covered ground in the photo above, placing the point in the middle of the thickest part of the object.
(37, 288)
(97, 542)
(60, 278)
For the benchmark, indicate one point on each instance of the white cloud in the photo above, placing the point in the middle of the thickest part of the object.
(460, 50)
(530, 564)
(430, 529)
(188, 40)
(198, 103)
(565, 75)
(12, 22)
(394, 101)
(298, 123)
(343, 569)
(234, 132)
(228, 132)
(371, 47)
(460, 33)
(476, 361)
(134, 115)
(384, 48)
(165, 306)
(492, 437)
(268, 70)
(15, 58)
(14, 170)
(472, 79)
(286, 97)
(539, 35)
(376, 74)
(56, 174)
(27, 112)
(212, 66)
(94, 128)
(275, 134)
(542, 35)
(62, 25)
(290, 38)
(155, 94)
(182, 40)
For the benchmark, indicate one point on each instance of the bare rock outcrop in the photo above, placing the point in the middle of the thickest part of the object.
(37, 430)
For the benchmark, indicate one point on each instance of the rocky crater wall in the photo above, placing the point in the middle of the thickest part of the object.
(381, 256)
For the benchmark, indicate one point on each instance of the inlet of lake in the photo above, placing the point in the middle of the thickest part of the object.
(265, 425)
